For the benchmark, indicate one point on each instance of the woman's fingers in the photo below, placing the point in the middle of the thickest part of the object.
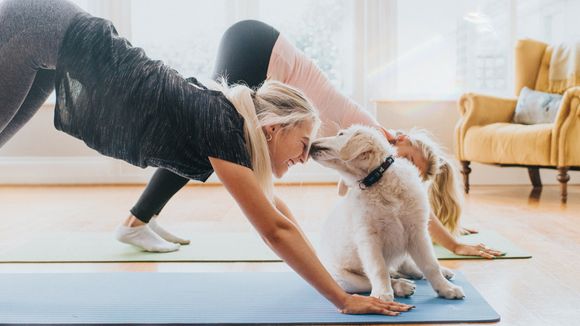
(364, 305)
(398, 306)
(488, 251)
(394, 306)
(494, 252)
(468, 231)
(389, 313)
(477, 250)
(484, 254)
(381, 308)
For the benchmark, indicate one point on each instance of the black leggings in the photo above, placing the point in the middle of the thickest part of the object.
(243, 57)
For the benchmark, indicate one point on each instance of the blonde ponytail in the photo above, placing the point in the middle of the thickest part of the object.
(445, 196)
(241, 97)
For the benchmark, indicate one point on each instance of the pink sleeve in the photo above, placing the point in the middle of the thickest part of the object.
(289, 65)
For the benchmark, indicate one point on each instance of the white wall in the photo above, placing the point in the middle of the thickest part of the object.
(439, 118)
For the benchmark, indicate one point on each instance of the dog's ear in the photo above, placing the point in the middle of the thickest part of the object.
(356, 146)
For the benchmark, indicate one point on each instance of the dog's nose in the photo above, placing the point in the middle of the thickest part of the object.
(314, 147)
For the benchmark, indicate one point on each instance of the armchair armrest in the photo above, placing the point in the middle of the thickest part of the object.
(480, 110)
(566, 132)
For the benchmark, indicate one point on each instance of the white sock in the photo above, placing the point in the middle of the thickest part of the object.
(153, 225)
(144, 238)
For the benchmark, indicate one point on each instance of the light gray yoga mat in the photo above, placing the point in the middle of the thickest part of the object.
(205, 247)
(206, 298)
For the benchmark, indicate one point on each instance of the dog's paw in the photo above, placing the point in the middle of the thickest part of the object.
(451, 292)
(447, 273)
(403, 288)
(383, 296)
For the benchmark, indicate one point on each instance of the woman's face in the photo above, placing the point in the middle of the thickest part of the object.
(413, 154)
(288, 146)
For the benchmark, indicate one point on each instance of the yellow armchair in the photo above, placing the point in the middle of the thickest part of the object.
(485, 132)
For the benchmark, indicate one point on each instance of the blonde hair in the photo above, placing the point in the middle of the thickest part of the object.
(445, 195)
(272, 103)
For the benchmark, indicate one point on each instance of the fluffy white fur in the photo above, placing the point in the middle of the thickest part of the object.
(374, 230)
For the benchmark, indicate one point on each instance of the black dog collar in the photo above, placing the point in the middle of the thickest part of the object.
(376, 174)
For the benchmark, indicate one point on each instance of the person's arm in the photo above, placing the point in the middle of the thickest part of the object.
(443, 237)
(289, 244)
(283, 208)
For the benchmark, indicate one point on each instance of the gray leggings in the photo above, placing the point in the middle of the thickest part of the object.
(31, 32)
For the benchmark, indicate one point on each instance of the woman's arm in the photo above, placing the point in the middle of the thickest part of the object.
(287, 241)
(283, 208)
(443, 237)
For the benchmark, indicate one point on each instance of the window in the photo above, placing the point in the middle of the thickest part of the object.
(184, 34)
(322, 29)
(450, 46)
(550, 21)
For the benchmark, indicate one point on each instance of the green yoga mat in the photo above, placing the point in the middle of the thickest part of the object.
(204, 247)
(490, 239)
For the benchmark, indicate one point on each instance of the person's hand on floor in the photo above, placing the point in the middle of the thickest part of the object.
(476, 250)
(358, 304)
(467, 231)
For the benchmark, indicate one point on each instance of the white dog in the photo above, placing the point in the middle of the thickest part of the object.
(376, 227)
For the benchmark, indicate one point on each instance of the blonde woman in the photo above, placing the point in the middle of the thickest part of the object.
(252, 52)
(127, 106)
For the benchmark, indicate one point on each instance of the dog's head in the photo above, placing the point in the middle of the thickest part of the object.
(353, 152)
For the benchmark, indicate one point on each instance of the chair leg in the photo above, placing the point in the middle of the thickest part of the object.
(465, 170)
(563, 178)
(534, 173)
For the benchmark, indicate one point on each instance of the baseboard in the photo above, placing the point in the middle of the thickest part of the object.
(103, 170)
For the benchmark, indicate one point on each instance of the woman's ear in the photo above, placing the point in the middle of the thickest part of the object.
(271, 130)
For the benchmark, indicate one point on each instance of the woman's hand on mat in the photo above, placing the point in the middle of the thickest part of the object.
(468, 231)
(476, 250)
(357, 304)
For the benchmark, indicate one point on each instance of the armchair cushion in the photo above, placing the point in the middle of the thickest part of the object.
(536, 107)
(508, 143)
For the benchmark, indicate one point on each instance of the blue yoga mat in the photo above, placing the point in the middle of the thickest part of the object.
(205, 298)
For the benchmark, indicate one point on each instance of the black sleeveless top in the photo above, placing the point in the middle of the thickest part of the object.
(127, 106)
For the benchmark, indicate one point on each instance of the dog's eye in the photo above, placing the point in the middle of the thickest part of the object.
(341, 133)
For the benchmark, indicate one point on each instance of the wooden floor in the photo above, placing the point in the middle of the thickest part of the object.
(544, 290)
